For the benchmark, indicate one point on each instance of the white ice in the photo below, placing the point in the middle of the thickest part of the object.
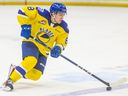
(98, 41)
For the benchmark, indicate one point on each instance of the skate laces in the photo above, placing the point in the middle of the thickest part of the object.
(9, 81)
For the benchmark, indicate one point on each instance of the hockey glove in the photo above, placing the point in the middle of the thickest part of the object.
(56, 51)
(26, 31)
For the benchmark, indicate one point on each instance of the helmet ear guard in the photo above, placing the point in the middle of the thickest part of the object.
(58, 7)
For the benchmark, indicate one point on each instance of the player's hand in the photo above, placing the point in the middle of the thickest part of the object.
(56, 51)
(26, 31)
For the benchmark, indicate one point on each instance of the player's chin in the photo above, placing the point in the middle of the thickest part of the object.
(59, 21)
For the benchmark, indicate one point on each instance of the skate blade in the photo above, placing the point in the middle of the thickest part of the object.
(7, 89)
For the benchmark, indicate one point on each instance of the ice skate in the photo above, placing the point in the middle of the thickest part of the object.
(8, 85)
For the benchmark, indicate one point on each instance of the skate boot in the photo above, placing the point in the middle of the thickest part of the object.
(8, 85)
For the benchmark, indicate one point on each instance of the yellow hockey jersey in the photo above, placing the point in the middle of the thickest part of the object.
(40, 21)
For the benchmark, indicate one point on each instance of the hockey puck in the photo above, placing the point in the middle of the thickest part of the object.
(109, 88)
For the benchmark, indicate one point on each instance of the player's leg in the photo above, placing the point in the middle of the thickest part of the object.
(26, 65)
(30, 56)
(37, 71)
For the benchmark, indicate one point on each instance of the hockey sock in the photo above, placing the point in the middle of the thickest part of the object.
(26, 65)
(33, 74)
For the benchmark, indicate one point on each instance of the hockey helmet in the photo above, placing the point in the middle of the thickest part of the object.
(58, 7)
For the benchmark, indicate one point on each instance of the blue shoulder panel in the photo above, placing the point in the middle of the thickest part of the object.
(45, 13)
(64, 25)
(21, 12)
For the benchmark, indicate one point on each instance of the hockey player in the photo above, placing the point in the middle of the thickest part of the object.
(41, 29)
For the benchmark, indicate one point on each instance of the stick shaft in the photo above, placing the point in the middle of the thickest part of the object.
(106, 83)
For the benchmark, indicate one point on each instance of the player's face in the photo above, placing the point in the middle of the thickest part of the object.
(58, 17)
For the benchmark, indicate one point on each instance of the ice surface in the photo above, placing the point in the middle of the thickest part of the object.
(98, 41)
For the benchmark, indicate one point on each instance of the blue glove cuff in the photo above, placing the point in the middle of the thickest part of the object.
(26, 31)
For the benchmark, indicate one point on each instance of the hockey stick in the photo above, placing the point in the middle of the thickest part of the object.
(104, 82)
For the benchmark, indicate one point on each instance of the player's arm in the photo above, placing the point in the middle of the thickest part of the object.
(26, 16)
(61, 43)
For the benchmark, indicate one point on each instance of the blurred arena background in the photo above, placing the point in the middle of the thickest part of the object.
(99, 43)
(118, 3)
